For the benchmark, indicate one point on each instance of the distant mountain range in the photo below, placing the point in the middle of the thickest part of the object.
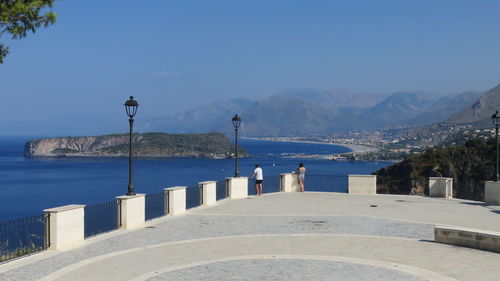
(313, 112)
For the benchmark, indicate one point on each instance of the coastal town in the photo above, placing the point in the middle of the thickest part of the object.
(390, 144)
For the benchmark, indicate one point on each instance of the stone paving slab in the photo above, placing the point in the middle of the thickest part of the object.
(409, 256)
(435, 211)
(408, 218)
(285, 269)
(197, 226)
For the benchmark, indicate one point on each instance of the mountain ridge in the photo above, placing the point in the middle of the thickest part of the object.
(306, 112)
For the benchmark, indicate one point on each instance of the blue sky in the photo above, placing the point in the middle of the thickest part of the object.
(73, 77)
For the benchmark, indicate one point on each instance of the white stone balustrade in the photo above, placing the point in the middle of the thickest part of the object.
(132, 210)
(441, 187)
(66, 226)
(492, 192)
(176, 200)
(362, 184)
(289, 182)
(209, 192)
(237, 187)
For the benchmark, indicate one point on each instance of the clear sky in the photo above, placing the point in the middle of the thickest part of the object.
(73, 77)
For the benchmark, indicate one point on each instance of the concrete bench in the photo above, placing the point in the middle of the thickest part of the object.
(472, 238)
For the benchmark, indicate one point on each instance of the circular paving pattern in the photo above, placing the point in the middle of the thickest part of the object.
(284, 269)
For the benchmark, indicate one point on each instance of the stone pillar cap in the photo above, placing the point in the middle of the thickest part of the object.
(63, 208)
(207, 182)
(175, 188)
(125, 197)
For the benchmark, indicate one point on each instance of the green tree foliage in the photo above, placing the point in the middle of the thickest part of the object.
(469, 165)
(18, 17)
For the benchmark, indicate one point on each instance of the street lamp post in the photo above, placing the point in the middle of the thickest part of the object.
(131, 108)
(236, 124)
(496, 121)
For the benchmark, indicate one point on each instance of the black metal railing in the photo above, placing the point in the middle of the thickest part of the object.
(269, 184)
(326, 183)
(193, 196)
(221, 191)
(155, 205)
(100, 218)
(251, 187)
(22, 237)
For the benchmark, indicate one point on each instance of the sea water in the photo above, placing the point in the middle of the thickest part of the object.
(29, 185)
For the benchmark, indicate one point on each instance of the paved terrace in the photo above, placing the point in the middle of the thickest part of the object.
(283, 236)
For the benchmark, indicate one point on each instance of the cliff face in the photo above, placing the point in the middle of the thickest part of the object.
(212, 145)
(481, 110)
(77, 146)
(469, 166)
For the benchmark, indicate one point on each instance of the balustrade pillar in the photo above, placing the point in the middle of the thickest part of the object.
(492, 192)
(237, 187)
(176, 200)
(66, 226)
(289, 182)
(362, 184)
(209, 192)
(440, 187)
(132, 210)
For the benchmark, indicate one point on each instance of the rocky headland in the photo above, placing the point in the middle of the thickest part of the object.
(209, 145)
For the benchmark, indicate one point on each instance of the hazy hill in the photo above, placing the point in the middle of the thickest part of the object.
(397, 109)
(283, 116)
(445, 107)
(336, 98)
(479, 111)
(201, 119)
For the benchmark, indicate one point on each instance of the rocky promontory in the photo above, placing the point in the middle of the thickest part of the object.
(210, 145)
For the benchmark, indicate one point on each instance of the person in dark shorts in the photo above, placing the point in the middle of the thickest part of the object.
(259, 177)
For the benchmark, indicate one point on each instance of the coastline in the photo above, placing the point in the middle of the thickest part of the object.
(355, 148)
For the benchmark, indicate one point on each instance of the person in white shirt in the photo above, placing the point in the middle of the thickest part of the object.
(259, 177)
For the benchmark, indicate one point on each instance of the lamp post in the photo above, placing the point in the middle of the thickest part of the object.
(496, 121)
(236, 124)
(131, 108)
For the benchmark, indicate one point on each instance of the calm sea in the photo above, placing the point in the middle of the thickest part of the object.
(29, 185)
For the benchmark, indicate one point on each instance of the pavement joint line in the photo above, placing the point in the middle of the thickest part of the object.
(366, 216)
(59, 273)
(412, 270)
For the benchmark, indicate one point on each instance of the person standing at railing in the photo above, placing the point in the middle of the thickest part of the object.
(259, 178)
(301, 176)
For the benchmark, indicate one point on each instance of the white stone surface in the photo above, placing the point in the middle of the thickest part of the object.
(492, 192)
(306, 226)
(176, 200)
(238, 187)
(472, 238)
(132, 210)
(441, 187)
(289, 182)
(66, 226)
(362, 184)
(209, 192)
